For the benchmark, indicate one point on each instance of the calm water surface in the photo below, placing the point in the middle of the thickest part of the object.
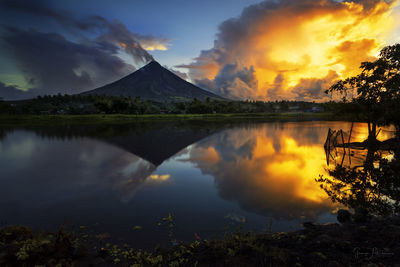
(211, 177)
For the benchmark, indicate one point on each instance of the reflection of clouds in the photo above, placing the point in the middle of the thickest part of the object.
(159, 178)
(205, 155)
(61, 171)
(131, 178)
(128, 187)
(21, 147)
(266, 168)
(360, 133)
(269, 168)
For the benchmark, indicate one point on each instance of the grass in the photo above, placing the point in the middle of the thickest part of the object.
(373, 243)
(11, 120)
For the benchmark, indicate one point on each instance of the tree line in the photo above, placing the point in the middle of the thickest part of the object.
(103, 104)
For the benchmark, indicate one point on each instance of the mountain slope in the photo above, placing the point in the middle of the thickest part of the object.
(154, 82)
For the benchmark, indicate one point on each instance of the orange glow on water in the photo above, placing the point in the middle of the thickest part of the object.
(360, 133)
(273, 168)
(159, 178)
(298, 165)
(277, 169)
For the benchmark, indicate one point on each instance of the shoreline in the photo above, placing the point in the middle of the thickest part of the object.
(15, 120)
(351, 244)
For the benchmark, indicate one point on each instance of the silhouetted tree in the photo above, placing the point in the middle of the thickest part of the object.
(104, 105)
(120, 105)
(376, 90)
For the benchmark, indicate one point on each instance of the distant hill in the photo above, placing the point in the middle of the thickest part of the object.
(154, 82)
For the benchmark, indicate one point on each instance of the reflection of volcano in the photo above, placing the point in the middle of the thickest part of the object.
(160, 142)
(153, 141)
(102, 161)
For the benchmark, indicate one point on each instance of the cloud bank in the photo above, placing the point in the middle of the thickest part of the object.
(52, 63)
(292, 49)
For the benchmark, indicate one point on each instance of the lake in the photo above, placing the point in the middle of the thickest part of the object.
(120, 181)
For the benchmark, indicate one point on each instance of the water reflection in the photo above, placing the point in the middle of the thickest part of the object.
(367, 178)
(153, 142)
(35, 163)
(268, 169)
(205, 173)
(93, 156)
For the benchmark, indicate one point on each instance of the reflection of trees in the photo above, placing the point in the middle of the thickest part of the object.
(373, 186)
(2, 134)
(154, 142)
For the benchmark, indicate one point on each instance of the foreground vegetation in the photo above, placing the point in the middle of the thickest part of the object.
(350, 244)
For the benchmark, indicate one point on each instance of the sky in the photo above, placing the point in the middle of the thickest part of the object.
(240, 49)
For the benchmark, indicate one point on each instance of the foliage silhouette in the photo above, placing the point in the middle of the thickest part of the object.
(373, 187)
(375, 92)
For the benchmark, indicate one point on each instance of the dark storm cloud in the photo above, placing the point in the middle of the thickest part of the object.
(55, 64)
(230, 79)
(11, 92)
(178, 73)
(37, 7)
(113, 31)
(118, 34)
(51, 62)
(310, 89)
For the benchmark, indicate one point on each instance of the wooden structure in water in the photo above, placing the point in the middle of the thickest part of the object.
(334, 140)
(339, 148)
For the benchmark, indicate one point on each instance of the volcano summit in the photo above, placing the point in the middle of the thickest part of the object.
(156, 83)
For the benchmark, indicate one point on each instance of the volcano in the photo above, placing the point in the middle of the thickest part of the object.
(156, 83)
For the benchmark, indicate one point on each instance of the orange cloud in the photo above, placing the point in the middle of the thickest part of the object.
(161, 47)
(151, 43)
(289, 42)
(148, 47)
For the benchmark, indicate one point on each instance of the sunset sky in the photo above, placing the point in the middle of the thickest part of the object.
(240, 49)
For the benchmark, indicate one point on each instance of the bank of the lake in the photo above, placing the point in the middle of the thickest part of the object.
(10, 120)
(373, 243)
